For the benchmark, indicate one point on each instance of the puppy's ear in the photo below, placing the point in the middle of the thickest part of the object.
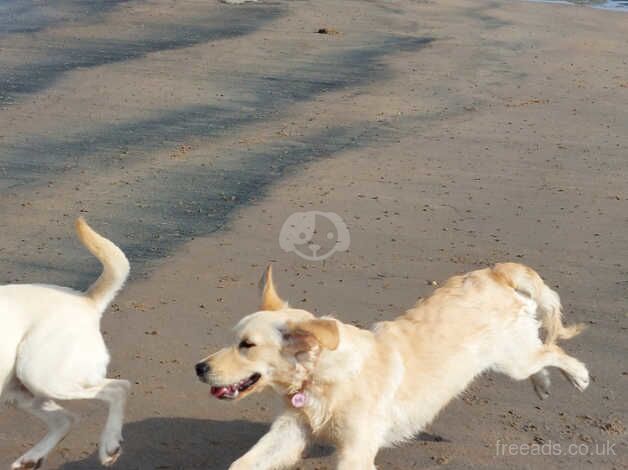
(306, 334)
(270, 299)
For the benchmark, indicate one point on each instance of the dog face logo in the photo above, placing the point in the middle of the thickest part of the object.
(314, 235)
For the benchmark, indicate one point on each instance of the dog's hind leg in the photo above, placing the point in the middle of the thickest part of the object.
(57, 419)
(79, 358)
(115, 393)
(523, 355)
(541, 383)
(551, 355)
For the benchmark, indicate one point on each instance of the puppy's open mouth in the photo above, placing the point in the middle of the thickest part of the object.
(231, 392)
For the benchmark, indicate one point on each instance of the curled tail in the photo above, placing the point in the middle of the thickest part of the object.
(115, 265)
(528, 282)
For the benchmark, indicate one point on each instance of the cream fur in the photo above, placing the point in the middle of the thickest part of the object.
(51, 349)
(377, 388)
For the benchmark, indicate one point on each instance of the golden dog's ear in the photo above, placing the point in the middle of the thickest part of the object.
(270, 299)
(307, 333)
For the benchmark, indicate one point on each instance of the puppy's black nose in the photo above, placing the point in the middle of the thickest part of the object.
(202, 368)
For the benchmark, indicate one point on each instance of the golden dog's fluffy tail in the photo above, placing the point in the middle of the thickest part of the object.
(115, 265)
(528, 282)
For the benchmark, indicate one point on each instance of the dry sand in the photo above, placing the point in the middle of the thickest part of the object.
(448, 135)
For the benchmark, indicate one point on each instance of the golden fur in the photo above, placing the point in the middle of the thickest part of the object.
(365, 389)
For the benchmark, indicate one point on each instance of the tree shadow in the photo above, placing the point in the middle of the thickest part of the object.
(66, 55)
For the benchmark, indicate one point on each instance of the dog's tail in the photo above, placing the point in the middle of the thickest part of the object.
(528, 282)
(115, 265)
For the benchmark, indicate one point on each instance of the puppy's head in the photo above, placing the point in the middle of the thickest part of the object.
(277, 346)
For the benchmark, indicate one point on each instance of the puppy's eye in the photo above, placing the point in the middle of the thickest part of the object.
(245, 344)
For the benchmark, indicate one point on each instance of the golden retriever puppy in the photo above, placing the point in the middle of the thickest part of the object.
(365, 389)
(51, 349)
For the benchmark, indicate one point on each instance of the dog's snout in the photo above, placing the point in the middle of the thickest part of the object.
(202, 369)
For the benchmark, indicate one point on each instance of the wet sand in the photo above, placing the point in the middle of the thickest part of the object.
(448, 135)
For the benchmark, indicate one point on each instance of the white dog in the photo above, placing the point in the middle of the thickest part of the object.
(51, 349)
(365, 389)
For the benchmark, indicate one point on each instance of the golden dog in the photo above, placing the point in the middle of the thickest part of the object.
(366, 389)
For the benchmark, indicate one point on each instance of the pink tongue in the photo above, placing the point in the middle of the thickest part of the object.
(218, 392)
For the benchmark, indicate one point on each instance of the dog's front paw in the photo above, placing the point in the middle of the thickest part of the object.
(25, 463)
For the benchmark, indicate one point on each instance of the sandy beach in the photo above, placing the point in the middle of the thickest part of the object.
(447, 135)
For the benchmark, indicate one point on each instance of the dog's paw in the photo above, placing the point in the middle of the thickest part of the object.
(579, 378)
(25, 463)
(541, 392)
(541, 382)
(581, 382)
(110, 450)
(111, 458)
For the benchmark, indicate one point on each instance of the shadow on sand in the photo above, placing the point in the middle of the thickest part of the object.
(193, 444)
(180, 443)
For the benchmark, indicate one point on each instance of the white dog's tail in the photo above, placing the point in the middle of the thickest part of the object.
(527, 281)
(115, 265)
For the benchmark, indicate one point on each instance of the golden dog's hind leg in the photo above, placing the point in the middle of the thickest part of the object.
(541, 383)
(548, 356)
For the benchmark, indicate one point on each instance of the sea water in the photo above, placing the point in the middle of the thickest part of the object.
(616, 5)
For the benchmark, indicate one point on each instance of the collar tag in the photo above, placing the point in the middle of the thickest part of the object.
(298, 400)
